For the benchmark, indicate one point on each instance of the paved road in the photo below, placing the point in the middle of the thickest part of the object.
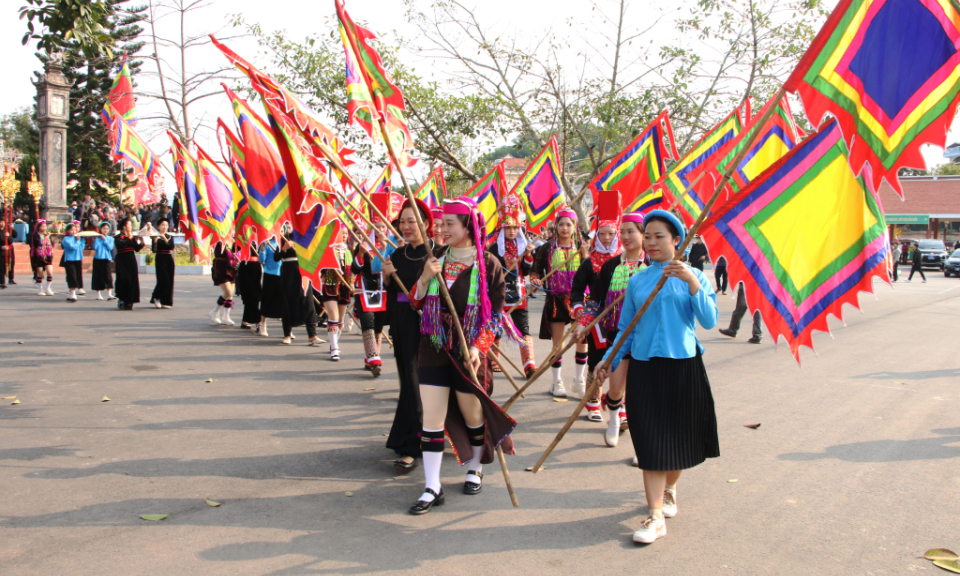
(854, 470)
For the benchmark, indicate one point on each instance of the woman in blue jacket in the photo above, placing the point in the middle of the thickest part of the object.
(73, 261)
(102, 276)
(271, 293)
(669, 404)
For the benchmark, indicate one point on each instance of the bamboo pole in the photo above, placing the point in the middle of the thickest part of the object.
(544, 279)
(663, 279)
(509, 361)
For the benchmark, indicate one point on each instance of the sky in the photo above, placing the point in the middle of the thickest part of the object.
(300, 19)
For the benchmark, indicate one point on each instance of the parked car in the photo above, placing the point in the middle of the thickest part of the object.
(933, 253)
(952, 265)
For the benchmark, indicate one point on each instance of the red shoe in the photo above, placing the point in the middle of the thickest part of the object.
(375, 367)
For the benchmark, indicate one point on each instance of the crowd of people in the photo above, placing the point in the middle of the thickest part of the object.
(392, 276)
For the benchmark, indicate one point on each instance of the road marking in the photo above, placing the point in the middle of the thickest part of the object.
(892, 388)
(949, 289)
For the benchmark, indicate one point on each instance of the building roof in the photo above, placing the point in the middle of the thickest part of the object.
(511, 163)
(934, 196)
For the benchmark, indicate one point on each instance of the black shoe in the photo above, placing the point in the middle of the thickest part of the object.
(11, 282)
(119, 304)
(402, 466)
(754, 340)
(472, 488)
(728, 332)
(3, 286)
(422, 506)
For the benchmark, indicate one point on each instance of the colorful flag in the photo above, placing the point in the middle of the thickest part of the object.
(267, 191)
(771, 141)
(641, 163)
(382, 183)
(700, 162)
(191, 198)
(652, 199)
(487, 194)
(888, 71)
(311, 215)
(121, 97)
(805, 237)
(371, 94)
(540, 187)
(247, 231)
(130, 149)
(434, 190)
(221, 195)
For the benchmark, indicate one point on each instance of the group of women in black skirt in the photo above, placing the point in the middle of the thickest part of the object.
(110, 253)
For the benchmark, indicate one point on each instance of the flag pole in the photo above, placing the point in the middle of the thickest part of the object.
(622, 337)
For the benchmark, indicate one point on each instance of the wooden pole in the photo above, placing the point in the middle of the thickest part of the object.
(621, 338)
(509, 361)
(544, 279)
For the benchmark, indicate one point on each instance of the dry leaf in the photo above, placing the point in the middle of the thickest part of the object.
(948, 565)
(20, 342)
(386, 434)
(209, 380)
(368, 389)
(733, 480)
(104, 399)
(211, 503)
(154, 517)
(9, 397)
(752, 426)
(559, 399)
(941, 554)
(530, 468)
(15, 402)
(348, 493)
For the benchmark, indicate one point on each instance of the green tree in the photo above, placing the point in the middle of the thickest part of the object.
(88, 153)
(85, 22)
(21, 136)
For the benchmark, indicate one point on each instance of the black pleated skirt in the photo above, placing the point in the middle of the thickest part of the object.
(74, 273)
(271, 297)
(102, 275)
(165, 271)
(673, 423)
(128, 278)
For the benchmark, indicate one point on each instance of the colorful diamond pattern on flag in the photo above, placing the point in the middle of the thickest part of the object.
(487, 194)
(540, 187)
(805, 237)
(434, 190)
(221, 195)
(121, 95)
(888, 71)
(191, 198)
(130, 149)
(640, 164)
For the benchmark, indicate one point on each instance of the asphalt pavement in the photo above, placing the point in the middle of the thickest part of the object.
(855, 468)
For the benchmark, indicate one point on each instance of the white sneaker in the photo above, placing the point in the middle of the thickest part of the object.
(81, 292)
(226, 317)
(580, 387)
(335, 355)
(669, 503)
(557, 390)
(215, 315)
(263, 331)
(636, 462)
(612, 435)
(651, 529)
(50, 289)
(100, 297)
(156, 304)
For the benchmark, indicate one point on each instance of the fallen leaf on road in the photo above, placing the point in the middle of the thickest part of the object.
(9, 397)
(941, 554)
(733, 480)
(209, 380)
(530, 468)
(211, 503)
(15, 402)
(559, 399)
(752, 426)
(368, 389)
(386, 434)
(899, 382)
(948, 565)
(104, 399)
(348, 493)
(154, 517)
(20, 342)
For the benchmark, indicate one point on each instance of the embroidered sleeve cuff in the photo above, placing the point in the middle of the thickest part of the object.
(418, 296)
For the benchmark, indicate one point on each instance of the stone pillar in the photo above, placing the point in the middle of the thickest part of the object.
(53, 109)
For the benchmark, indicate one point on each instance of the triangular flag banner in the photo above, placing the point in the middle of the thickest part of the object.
(888, 71)
(540, 187)
(487, 194)
(121, 95)
(639, 165)
(130, 149)
(805, 237)
(434, 190)
(191, 198)
(221, 196)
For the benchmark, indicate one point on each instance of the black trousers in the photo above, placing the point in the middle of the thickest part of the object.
(311, 326)
(916, 268)
(720, 275)
(371, 320)
(895, 266)
(740, 311)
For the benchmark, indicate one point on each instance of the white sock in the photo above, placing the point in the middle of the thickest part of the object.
(73, 293)
(100, 294)
(431, 470)
(556, 372)
(579, 371)
(475, 464)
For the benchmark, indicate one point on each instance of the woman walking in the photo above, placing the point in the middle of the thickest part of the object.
(73, 261)
(298, 307)
(102, 274)
(249, 275)
(41, 259)
(335, 294)
(271, 292)
(224, 274)
(673, 423)
(407, 263)
(474, 423)
(917, 264)
(128, 274)
(370, 301)
(162, 246)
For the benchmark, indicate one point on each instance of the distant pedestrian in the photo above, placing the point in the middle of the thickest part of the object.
(737, 317)
(895, 254)
(917, 263)
(698, 253)
(720, 274)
